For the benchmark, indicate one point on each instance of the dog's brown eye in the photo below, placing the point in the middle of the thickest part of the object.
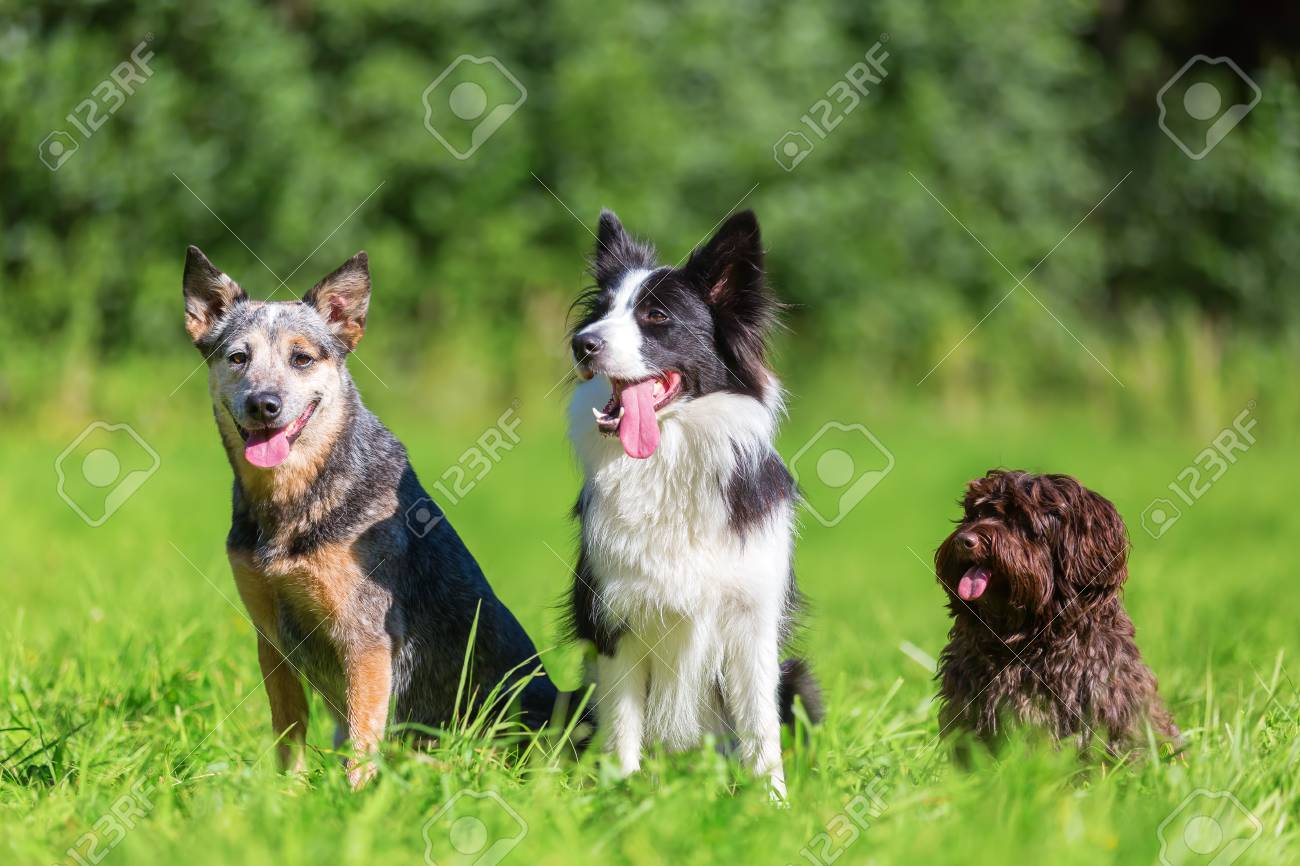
(656, 316)
(301, 360)
(239, 359)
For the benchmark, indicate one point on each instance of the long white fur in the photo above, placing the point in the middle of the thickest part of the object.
(702, 605)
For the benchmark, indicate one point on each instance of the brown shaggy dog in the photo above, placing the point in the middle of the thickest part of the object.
(1033, 573)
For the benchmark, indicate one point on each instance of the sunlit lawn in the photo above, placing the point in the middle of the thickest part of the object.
(127, 662)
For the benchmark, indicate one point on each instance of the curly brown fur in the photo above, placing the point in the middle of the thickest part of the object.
(1040, 637)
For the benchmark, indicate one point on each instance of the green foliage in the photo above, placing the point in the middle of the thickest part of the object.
(284, 118)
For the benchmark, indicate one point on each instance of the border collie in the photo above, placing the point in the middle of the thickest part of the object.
(684, 580)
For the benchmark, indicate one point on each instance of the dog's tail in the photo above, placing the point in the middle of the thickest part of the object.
(797, 681)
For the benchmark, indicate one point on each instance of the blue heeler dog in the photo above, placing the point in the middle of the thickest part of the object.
(375, 614)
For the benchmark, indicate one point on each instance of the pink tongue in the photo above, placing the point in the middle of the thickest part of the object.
(973, 583)
(638, 429)
(267, 448)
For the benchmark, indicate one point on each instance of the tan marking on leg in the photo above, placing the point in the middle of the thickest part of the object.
(288, 706)
(369, 672)
(255, 591)
(283, 688)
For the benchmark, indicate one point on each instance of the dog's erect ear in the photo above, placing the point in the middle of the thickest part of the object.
(609, 233)
(729, 267)
(343, 298)
(616, 251)
(728, 271)
(209, 294)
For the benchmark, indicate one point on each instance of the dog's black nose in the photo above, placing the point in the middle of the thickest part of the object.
(968, 540)
(586, 346)
(262, 406)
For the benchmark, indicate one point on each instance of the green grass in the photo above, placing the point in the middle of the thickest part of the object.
(127, 661)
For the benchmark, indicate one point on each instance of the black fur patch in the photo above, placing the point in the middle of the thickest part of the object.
(588, 618)
(755, 489)
(617, 252)
(797, 680)
(585, 616)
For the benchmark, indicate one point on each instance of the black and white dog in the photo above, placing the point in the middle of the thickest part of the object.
(684, 579)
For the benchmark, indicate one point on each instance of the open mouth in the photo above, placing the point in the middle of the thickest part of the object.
(270, 446)
(632, 411)
(973, 583)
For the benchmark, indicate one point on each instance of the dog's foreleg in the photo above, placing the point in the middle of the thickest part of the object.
(284, 689)
(620, 709)
(751, 677)
(368, 669)
(288, 705)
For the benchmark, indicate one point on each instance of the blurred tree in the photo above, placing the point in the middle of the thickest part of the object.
(299, 125)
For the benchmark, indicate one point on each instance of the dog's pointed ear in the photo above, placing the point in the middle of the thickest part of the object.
(609, 232)
(209, 294)
(617, 251)
(729, 268)
(728, 273)
(343, 298)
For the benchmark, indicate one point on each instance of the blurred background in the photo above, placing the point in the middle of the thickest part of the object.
(281, 137)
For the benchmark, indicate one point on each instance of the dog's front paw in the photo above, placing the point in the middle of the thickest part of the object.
(614, 770)
(360, 772)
